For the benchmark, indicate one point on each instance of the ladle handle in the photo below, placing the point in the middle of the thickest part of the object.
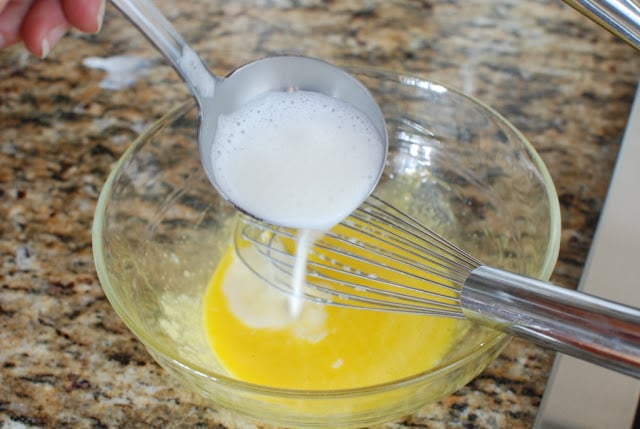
(575, 323)
(621, 17)
(153, 24)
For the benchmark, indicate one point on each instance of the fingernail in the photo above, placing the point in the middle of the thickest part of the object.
(51, 39)
(44, 51)
(100, 16)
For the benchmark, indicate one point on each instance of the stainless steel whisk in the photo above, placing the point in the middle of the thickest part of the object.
(382, 259)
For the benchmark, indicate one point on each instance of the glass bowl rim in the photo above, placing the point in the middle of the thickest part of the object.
(498, 339)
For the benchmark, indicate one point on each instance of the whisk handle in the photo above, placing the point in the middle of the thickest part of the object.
(575, 323)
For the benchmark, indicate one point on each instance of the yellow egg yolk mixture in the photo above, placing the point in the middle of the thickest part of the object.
(255, 337)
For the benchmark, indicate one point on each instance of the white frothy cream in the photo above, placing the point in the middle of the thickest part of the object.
(299, 159)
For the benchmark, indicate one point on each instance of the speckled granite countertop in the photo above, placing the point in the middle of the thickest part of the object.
(66, 360)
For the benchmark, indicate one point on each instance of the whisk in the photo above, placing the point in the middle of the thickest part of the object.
(382, 259)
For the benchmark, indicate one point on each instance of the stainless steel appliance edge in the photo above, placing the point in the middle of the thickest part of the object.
(580, 394)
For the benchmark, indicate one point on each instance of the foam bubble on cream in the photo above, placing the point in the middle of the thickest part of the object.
(299, 159)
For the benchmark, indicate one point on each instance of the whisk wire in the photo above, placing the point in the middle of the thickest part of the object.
(405, 244)
(372, 292)
(379, 284)
(378, 258)
(265, 241)
(424, 237)
(398, 267)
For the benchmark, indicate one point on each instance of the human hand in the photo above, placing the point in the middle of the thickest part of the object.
(40, 24)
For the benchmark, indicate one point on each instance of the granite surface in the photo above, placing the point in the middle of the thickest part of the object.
(66, 359)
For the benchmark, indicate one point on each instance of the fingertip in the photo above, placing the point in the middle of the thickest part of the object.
(43, 27)
(85, 15)
(11, 17)
(50, 40)
(40, 44)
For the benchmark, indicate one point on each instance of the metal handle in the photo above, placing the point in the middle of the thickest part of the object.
(153, 24)
(621, 17)
(578, 324)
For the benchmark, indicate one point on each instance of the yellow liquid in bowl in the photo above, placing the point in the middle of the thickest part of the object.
(253, 334)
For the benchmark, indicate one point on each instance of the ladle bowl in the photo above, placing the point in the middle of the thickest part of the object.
(218, 96)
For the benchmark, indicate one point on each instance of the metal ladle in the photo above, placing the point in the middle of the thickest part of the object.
(217, 96)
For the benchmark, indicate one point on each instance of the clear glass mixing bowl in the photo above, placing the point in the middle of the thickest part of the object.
(161, 229)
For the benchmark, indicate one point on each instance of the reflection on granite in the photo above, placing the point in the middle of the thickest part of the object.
(66, 360)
